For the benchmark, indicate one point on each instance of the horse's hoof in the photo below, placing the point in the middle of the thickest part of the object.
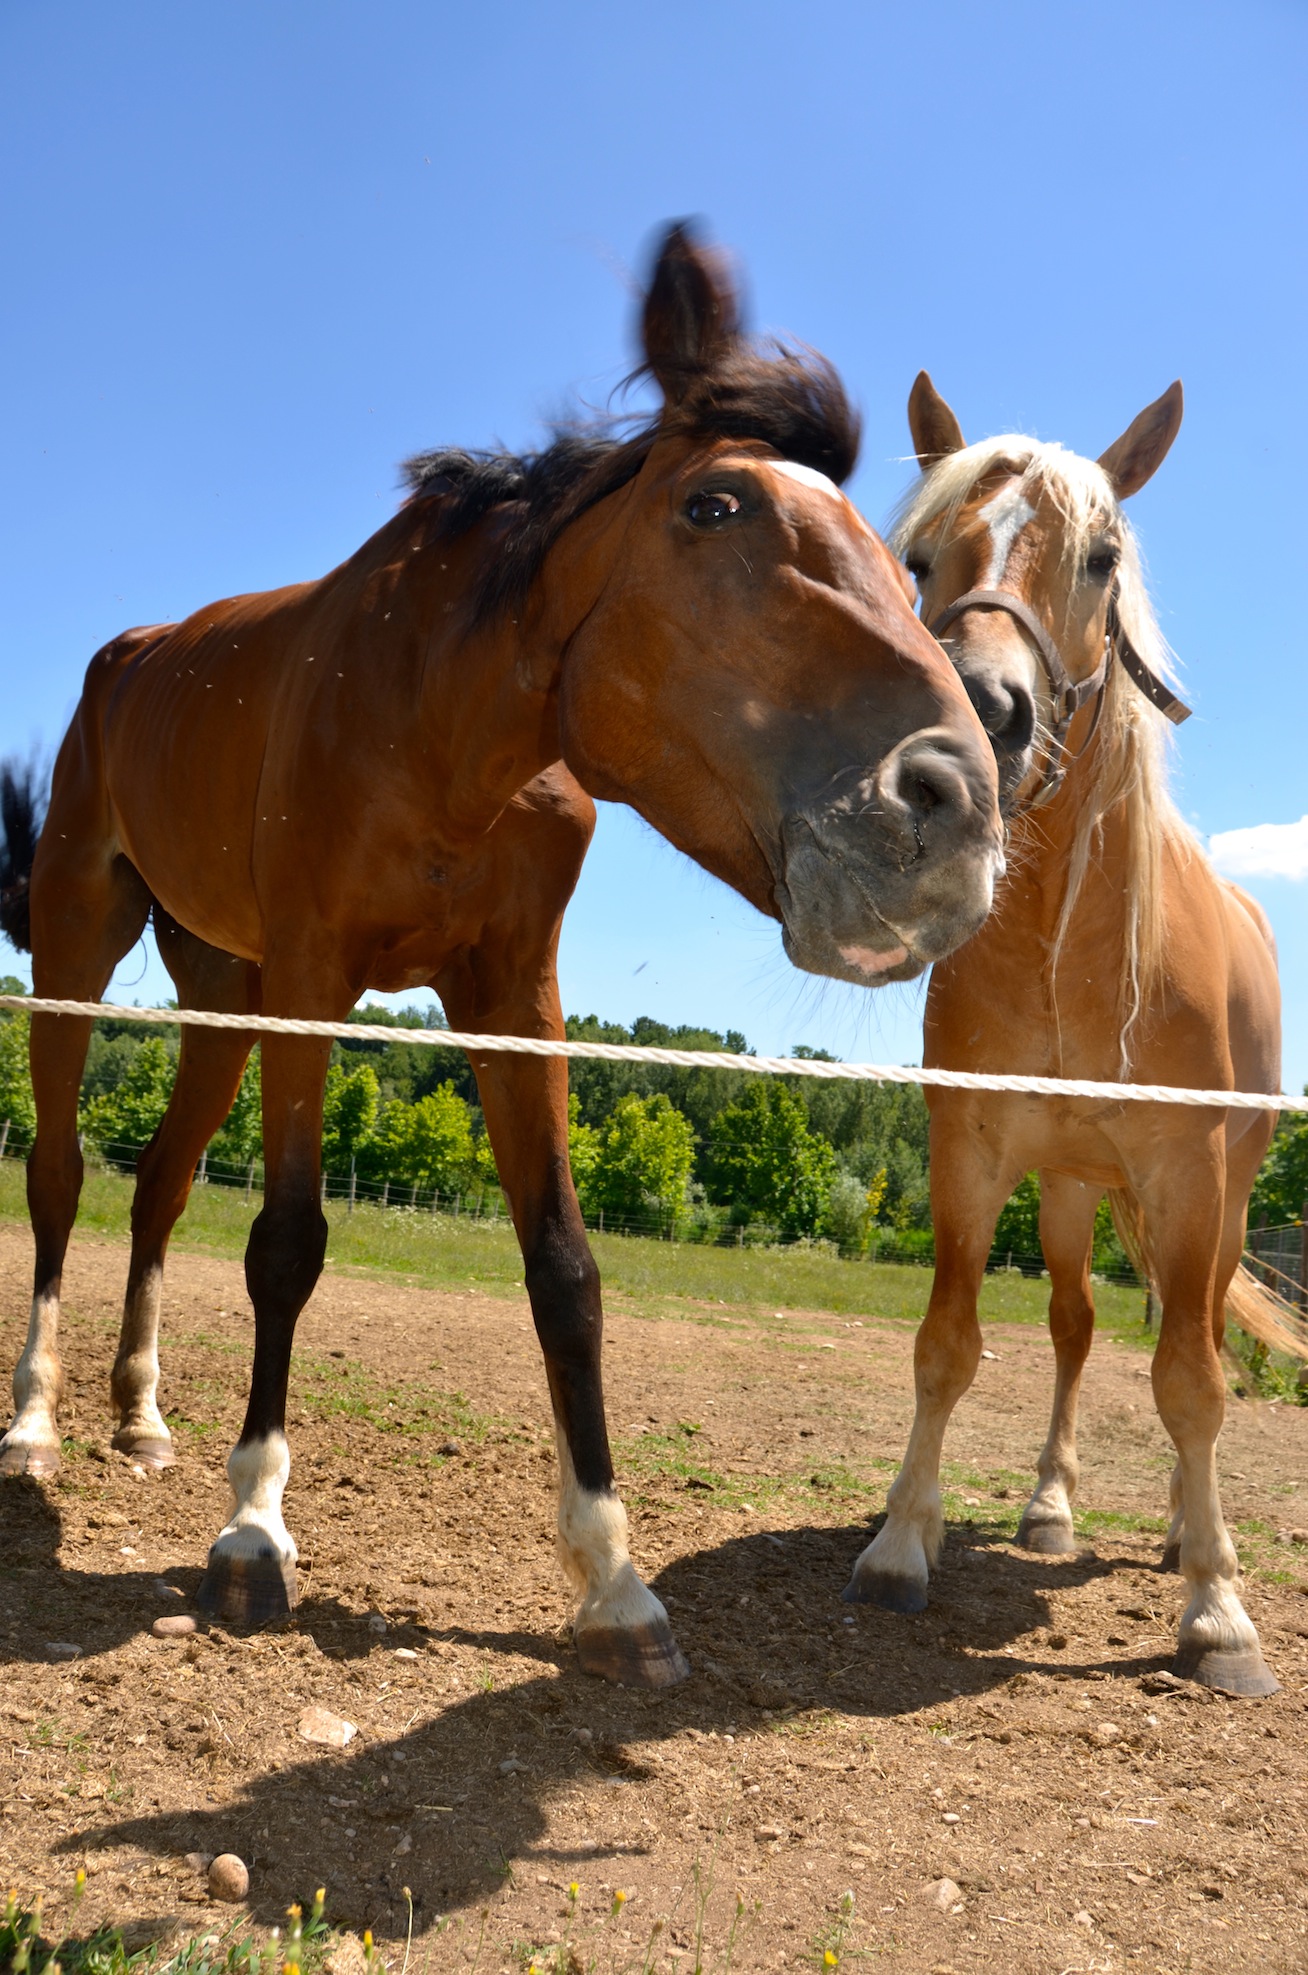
(1245, 1674)
(1171, 1557)
(246, 1591)
(146, 1452)
(638, 1656)
(41, 1463)
(893, 1594)
(1046, 1539)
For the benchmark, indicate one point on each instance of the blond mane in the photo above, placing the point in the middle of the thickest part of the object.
(1129, 771)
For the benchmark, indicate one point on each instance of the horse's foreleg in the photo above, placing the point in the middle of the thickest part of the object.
(1218, 1643)
(250, 1575)
(87, 912)
(621, 1629)
(1067, 1225)
(208, 1077)
(966, 1196)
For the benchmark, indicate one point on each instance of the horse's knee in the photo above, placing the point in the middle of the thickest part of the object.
(284, 1255)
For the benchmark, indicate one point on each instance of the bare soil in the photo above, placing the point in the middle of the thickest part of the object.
(1011, 1739)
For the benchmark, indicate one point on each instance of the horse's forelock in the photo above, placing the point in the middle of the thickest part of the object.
(788, 398)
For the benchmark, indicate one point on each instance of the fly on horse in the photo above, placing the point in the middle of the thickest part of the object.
(385, 778)
(1114, 952)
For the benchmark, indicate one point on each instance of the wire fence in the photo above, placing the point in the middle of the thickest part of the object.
(484, 1206)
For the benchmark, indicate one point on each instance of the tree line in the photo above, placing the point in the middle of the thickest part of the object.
(696, 1154)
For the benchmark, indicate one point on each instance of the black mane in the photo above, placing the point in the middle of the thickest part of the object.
(792, 400)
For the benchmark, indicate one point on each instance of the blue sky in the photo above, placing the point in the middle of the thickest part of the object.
(256, 254)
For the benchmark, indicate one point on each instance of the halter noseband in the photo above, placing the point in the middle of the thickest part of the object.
(1070, 695)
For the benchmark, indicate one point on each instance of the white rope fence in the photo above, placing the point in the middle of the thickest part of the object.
(682, 1059)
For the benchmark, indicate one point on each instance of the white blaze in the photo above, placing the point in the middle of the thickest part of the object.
(807, 476)
(1005, 516)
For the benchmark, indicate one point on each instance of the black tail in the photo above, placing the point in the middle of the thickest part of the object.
(23, 793)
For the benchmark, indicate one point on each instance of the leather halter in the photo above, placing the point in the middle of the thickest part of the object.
(1070, 695)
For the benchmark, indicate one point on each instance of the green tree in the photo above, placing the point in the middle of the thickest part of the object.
(125, 1118)
(643, 1157)
(16, 1101)
(241, 1137)
(1281, 1187)
(427, 1144)
(852, 1210)
(349, 1117)
(583, 1148)
(766, 1163)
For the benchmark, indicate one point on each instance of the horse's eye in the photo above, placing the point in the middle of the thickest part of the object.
(709, 510)
(1102, 564)
(918, 568)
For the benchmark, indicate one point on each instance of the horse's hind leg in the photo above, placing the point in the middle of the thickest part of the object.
(1067, 1225)
(208, 1076)
(969, 1185)
(88, 910)
(1218, 1644)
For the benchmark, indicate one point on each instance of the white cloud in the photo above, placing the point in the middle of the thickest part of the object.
(1264, 850)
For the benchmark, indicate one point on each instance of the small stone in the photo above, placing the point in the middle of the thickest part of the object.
(993, 1356)
(405, 1653)
(450, 1448)
(1106, 1733)
(167, 1591)
(62, 1649)
(512, 1767)
(942, 1894)
(376, 1623)
(229, 1878)
(584, 1736)
(767, 1834)
(405, 1845)
(174, 1625)
(1057, 1642)
(1082, 1919)
(199, 1861)
(951, 1817)
(319, 1724)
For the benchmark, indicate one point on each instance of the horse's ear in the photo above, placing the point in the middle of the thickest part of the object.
(692, 312)
(1145, 444)
(934, 428)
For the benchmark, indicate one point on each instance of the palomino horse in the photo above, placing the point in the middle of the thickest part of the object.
(1114, 952)
(368, 781)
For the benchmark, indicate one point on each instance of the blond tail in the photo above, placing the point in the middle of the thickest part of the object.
(1250, 1305)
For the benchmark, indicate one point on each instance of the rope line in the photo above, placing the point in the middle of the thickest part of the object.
(682, 1059)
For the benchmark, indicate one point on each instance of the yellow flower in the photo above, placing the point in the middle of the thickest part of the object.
(830, 1959)
(573, 1890)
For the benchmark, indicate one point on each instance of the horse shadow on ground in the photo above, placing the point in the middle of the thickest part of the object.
(458, 1804)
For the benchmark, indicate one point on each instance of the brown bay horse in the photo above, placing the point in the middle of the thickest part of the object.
(384, 779)
(1114, 952)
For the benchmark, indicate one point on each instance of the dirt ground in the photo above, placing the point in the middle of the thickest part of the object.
(1015, 1739)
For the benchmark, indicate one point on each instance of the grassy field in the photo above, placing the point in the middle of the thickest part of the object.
(649, 1278)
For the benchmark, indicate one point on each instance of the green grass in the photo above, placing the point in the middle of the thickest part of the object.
(645, 1277)
(26, 1948)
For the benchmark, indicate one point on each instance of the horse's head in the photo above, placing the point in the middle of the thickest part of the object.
(1017, 548)
(750, 674)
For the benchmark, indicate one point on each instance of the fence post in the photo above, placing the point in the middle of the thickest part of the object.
(435, 1199)
(386, 1192)
(201, 1178)
(1149, 1306)
(4, 1137)
(457, 1202)
(350, 1208)
(1303, 1259)
(601, 1220)
(249, 1183)
(322, 1191)
(413, 1194)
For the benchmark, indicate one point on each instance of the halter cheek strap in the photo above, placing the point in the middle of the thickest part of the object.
(1070, 695)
